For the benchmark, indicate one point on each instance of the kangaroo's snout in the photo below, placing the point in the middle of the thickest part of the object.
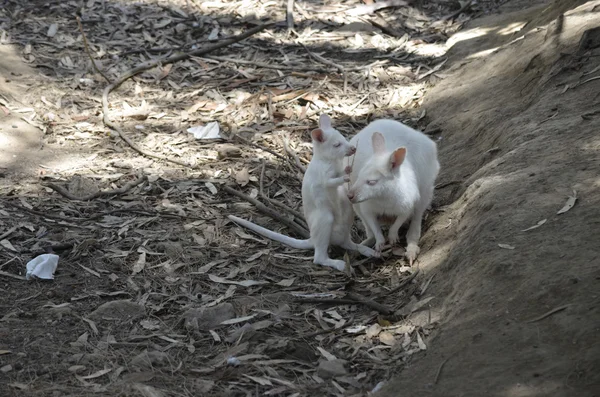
(351, 195)
(351, 151)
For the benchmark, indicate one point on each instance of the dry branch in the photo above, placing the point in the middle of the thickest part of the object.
(128, 186)
(150, 64)
(383, 309)
(268, 211)
(299, 218)
(89, 53)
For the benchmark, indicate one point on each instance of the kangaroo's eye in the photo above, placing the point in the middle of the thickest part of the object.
(337, 144)
(371, 182)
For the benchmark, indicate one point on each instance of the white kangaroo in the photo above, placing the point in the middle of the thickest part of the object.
(395, 171)
(328, 212)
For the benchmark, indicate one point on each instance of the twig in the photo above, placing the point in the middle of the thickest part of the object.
(269, 66)
(125, 188)
(445, 184)
(404, 282)
(290, 14)
(370, 303)
(11, 275)
(385, 29)
(323, 60)
(165, 61)
(371, 8)
(458, 12)
(299, 218)
(548, 313)
(290, 152)
(439, 371)
(8, 232)
(273, 214)
(87, 49)
(587, 81)
(250, 143)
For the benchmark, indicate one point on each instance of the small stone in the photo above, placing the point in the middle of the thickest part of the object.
(207, 318)
(150, 359)
(119, 310)
(76, 368)
(6, 368)
(331, 369)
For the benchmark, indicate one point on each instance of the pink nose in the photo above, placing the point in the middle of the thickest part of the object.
(350, 196)
(352, 150)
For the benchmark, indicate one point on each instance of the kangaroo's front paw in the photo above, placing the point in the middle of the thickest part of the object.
(348, 169)
(412, 250)
(393, 237)
(379, 246)
(346, 178)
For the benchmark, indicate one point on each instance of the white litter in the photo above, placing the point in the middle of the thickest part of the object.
(208, 131)
(42, 266)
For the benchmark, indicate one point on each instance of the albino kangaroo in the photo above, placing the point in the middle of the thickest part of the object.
(396, 167)
(327, 210)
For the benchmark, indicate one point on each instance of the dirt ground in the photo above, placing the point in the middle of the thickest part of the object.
(156, 294)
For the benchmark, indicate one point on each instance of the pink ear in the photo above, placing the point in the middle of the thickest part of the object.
(317, 135)
(378, 142)
(397, 157)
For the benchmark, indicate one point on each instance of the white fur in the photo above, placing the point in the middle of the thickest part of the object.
(403, 189)
(327, 210)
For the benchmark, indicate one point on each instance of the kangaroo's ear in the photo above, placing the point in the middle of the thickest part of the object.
(324, 121)
(397, 157)
(378, 142)
(317, 135)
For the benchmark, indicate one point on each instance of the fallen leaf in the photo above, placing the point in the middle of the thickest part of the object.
(6, 244)
(387, 338)
(287, 282)
(259, 380)
(211, 187)
(140, 264)
(569, 204)
(506, 246)
(540, 223)
(242, 177)
(52, 30)
(96, 374)
(422, 345)
(238, 320)
(245, 283)
(328, 356)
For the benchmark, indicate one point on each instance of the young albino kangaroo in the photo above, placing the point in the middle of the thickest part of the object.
(395, 171)
(327, 210)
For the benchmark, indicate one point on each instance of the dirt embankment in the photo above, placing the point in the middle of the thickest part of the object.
(519, 110)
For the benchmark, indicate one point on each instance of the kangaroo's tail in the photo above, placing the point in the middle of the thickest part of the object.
(289, 241)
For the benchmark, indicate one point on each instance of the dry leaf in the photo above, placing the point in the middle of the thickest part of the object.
(211, 187)
(328, 356)
(420, 342)
(6, 244)
(238, 320)
(242, 177)
(140, 264)
(259, 380)
(540, 223)
(52, 30)
(245, 283)
(569, 204)
(287, 282)
(387, 338)
(506, 246)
